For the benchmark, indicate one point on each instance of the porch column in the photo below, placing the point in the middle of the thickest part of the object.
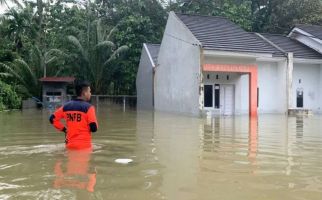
(289, 80)
(253, 92)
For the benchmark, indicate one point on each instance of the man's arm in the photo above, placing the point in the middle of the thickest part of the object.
(92, 121)
(55, 119)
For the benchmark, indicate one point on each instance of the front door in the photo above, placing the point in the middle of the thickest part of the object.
(228, 103)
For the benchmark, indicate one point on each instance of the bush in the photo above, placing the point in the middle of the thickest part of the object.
(6, 56)
(1, 104)
(9, 99)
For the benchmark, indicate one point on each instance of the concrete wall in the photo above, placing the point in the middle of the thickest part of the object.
(242, 95)
(309, 74)
(144, 82)
(270, 79)
(177, 77)
(320, 91)
(282, 94)
(54, 87)
(29, 104)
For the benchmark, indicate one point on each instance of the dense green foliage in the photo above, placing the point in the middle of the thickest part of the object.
(9, 99)
(101, 40)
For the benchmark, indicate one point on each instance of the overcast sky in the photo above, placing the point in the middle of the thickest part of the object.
(4, 7)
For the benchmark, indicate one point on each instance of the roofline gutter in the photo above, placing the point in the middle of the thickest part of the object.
(273, 59)
(307, 61)
(236, 54)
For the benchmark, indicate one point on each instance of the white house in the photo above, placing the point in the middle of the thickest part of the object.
(209, 64)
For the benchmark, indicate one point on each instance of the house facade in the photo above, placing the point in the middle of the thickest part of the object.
(208, 64)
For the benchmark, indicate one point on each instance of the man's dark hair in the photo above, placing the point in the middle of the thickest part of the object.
(80, 86)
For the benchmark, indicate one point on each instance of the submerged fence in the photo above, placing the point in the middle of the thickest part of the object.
(126, 101)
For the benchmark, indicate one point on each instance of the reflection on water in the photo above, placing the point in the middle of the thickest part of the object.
(299, 126)
(75, 172)
(174, 157)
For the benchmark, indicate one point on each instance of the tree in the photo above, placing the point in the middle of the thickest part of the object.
(9, 99)
(237, 11)
(95, 55)
(138, 22)
(280, 16)
(25, 75)
(18, 26)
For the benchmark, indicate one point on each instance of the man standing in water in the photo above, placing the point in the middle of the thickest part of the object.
(80, 118)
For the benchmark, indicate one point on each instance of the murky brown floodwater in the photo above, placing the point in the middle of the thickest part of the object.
(174, 157)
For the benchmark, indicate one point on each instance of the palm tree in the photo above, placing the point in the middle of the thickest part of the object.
(46, 59)
(26, 75)
(23, 76)
(19, 25)
(96, 54)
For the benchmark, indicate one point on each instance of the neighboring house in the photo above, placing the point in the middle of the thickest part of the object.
(54, 90)
(145, 76)
(209, 64)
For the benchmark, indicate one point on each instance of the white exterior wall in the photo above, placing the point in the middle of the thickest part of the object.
(320, 91)
(310, 83)
(271, 83)
(144, 82)
(177, 77)
(272, 90)
(242, 95)
(241, 81)
(282, 92)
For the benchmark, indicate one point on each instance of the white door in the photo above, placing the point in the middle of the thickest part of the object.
(228, 103)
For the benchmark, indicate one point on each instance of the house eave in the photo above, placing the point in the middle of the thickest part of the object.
(300, 31)
(307, 61)
(217, 53)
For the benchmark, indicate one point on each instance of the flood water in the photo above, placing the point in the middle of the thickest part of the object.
(174, 157)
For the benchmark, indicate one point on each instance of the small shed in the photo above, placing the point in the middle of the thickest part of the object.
(54, 90)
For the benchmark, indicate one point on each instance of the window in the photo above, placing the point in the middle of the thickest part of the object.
(53, 93)
(208, 96)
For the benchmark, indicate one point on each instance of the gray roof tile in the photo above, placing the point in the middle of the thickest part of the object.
(218, 33)
(311, 29)
(290, 45)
